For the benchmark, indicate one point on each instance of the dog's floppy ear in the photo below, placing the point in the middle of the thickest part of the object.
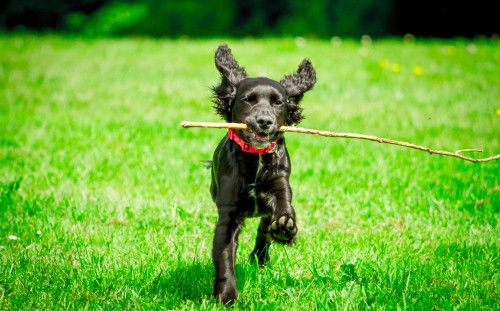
(296, 85)
(300, 82)
(228, 66)
(231, 76)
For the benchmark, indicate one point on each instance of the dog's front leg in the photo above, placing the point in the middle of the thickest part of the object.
(224, 255)
(283, 226)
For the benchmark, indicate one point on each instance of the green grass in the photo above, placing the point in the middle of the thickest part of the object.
(92, 155)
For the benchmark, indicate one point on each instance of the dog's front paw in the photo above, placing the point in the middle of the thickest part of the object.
(283, 229)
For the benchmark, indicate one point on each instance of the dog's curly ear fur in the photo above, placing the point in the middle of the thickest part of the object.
(296, 85)
(231, 76)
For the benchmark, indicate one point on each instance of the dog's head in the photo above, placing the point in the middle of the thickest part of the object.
(264, 105)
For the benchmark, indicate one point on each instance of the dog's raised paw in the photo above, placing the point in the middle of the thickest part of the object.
(283, 229)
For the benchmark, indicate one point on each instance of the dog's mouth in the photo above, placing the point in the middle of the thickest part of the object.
(260, 136)
(257, 138)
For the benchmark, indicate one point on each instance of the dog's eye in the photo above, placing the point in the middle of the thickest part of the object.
(249, 98)
(277, 102)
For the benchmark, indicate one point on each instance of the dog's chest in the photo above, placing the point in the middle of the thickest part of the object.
(255, 177)
(255, 191)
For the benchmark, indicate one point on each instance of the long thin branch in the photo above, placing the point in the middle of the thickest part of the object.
(456, 154)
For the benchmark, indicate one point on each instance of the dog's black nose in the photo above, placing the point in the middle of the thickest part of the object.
(264, 122)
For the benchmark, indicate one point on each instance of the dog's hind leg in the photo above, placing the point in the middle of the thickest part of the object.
(224, 256)
(260, 252)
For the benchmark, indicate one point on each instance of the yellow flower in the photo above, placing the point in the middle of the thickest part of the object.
(383, 63)
(498, 112)
(418, 70)
(396, 68)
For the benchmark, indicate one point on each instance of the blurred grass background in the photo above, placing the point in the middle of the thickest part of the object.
(270, 18)
(104, 202)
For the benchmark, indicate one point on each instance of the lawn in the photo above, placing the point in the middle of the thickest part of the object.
(104, 200)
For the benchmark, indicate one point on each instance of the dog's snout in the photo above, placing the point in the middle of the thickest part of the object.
(264, 122)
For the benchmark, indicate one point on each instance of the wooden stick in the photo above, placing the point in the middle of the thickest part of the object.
(456, 154)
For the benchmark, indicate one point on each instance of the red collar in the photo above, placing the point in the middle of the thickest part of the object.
(247, 147)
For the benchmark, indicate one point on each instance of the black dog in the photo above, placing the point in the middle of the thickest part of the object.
(250, 168)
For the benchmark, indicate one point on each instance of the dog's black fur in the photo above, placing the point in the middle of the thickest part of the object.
(246, 184)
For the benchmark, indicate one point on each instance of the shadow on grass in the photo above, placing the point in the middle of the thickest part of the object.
(189, 281)
(186, 281)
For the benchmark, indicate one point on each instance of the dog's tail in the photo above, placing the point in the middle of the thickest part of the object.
(207, 164)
